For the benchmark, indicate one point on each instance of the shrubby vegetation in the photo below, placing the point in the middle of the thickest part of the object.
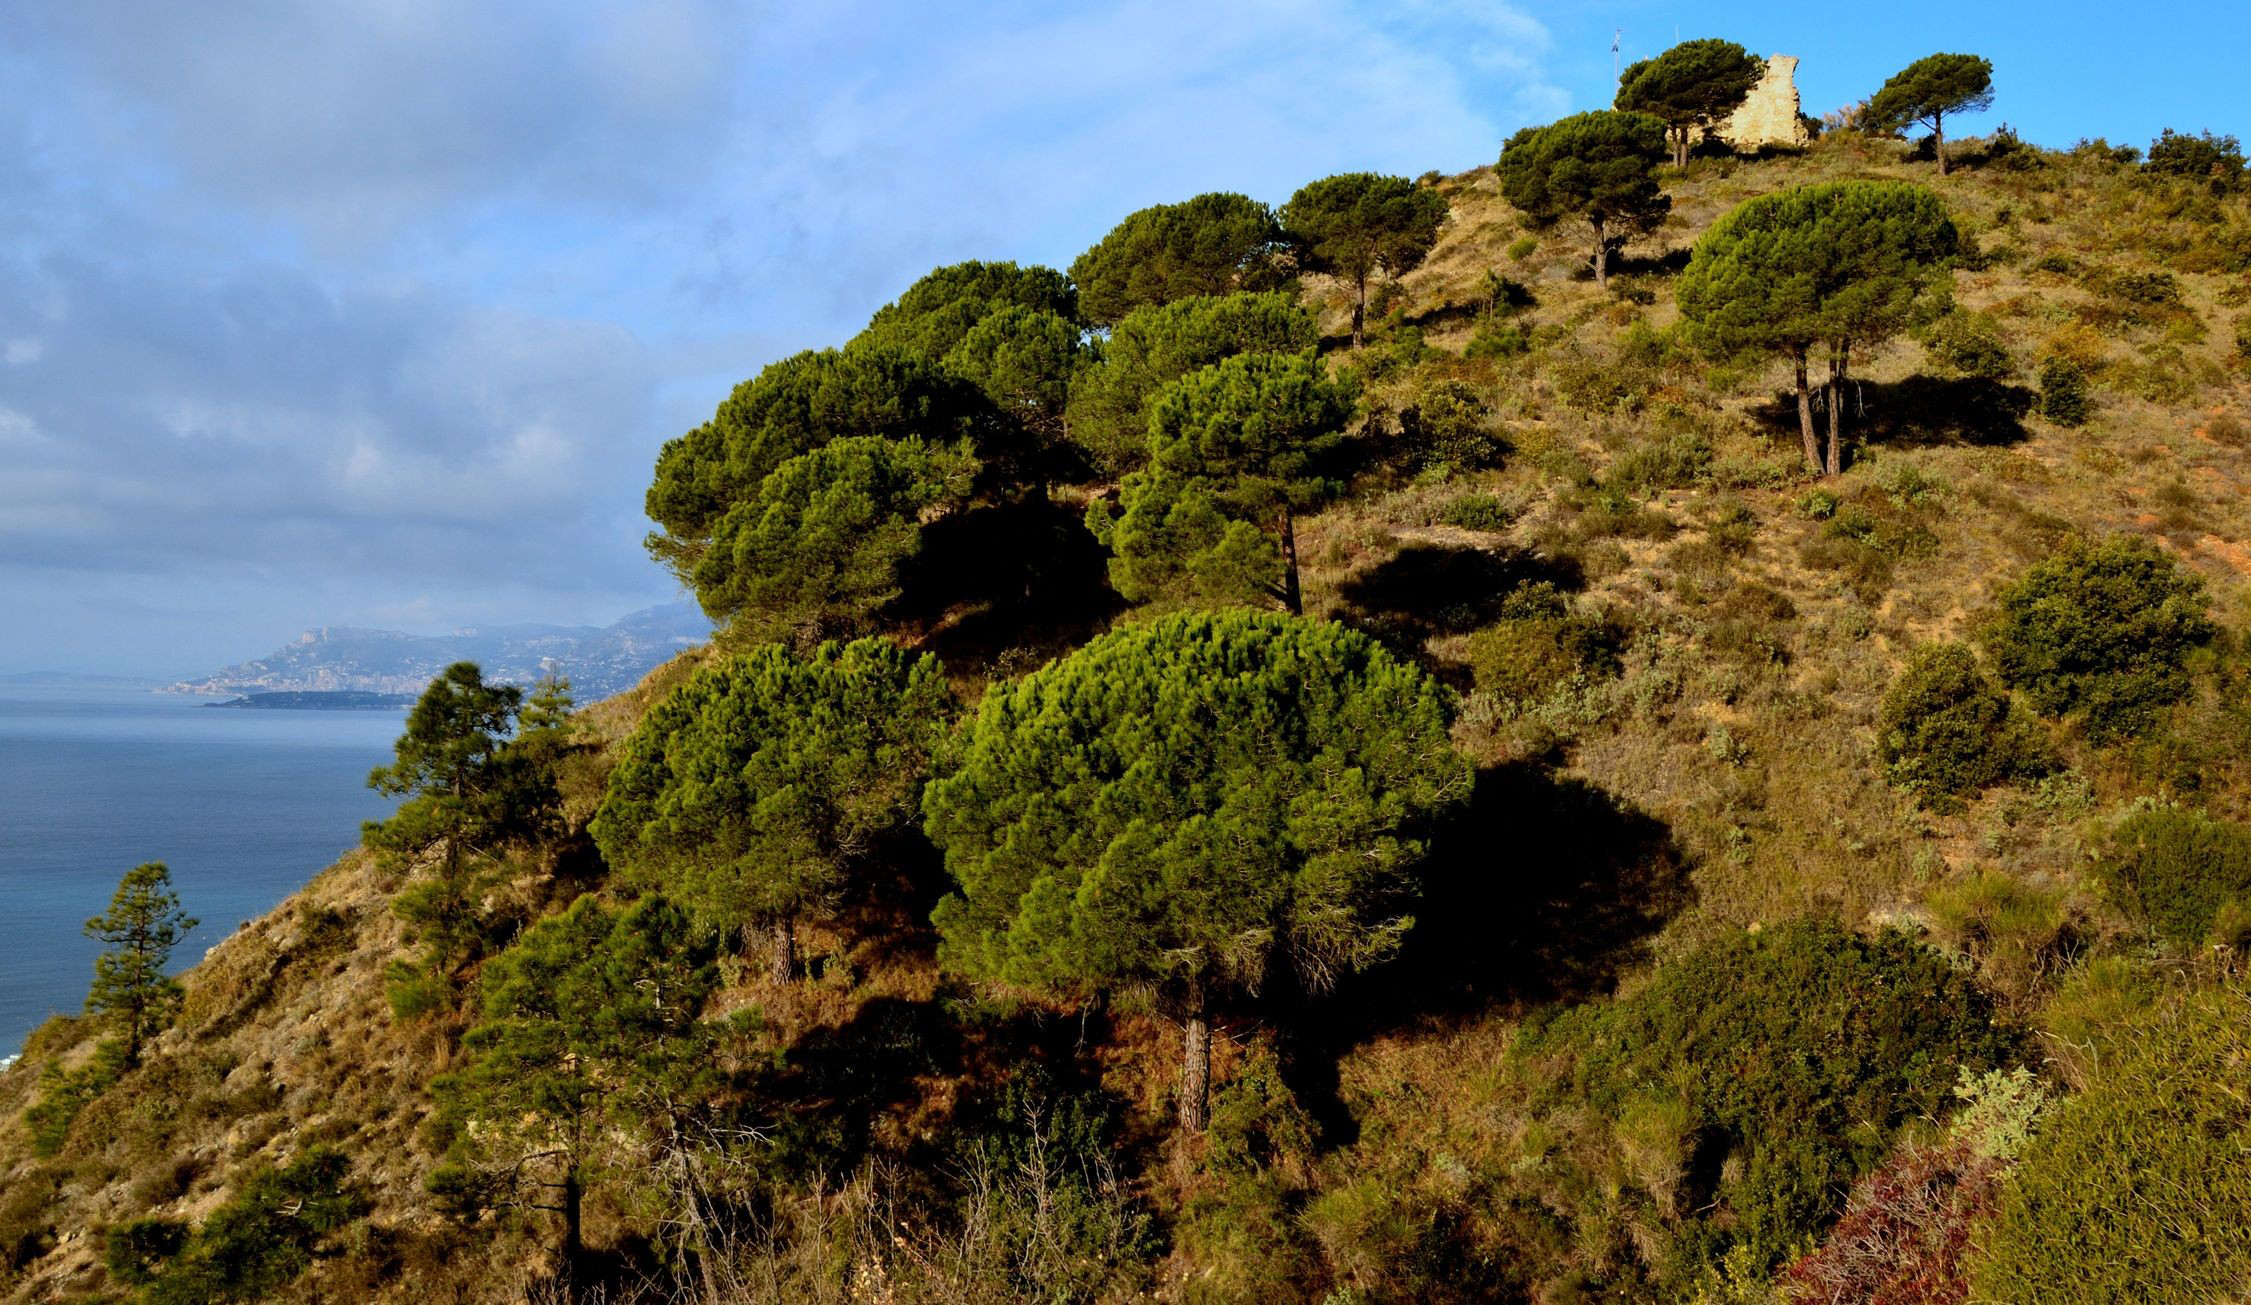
(1947, 731)
(2179, 873)
(2102, 631)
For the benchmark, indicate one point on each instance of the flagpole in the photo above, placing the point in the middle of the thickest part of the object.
(1614, 39)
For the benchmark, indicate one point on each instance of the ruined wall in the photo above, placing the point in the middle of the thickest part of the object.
(1770, 115)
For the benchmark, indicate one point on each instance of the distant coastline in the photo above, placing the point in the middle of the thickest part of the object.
(319, 700)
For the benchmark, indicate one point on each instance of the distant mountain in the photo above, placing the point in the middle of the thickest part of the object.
(599, 661)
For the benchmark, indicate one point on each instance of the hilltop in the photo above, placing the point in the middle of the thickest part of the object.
(1670, 647)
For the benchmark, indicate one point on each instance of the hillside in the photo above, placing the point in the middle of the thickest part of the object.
(1680, 804)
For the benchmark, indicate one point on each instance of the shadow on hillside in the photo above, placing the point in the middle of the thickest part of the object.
(1427, 589)
(1544, 889)
(1918, 411)
(1014, 578)
(1667, 263)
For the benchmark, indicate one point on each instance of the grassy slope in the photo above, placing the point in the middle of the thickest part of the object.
(1726, 779)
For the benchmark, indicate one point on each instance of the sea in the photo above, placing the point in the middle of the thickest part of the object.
(244, 806)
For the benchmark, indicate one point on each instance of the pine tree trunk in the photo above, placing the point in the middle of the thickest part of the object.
(1938, 136)
(1292, 597)
(1839, 361)
(781, 960)
(1360, 310)
(1195, 1069)
(1805, 415)
(573, 1221)
(1601, 254)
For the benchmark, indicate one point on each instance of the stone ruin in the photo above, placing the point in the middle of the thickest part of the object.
(1770, 115)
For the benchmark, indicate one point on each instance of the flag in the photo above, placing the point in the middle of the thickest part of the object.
(1614, 38)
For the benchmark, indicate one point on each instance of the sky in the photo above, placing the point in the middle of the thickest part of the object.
(376, 312)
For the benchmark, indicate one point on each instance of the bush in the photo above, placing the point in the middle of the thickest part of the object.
(1674, 462)
(63, 1093)
(1446, 424)
(1947, 731)
(1498, 339)
(1797, 1052)
(1540, 643)
(2204, 157)
(1487, 512)
(259, 1242)
(2174, 870)
(2063, 392)
(1969, 344)
(2136, 1190)
(2103, 629)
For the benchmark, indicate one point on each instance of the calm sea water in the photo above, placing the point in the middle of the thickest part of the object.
(244, 806)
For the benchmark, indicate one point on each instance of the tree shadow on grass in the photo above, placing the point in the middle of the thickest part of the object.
(1917, 412)
(1426, 590)
(1543, 889)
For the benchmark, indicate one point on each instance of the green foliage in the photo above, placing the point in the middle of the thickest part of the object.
(940, 310)
(135, 1251)
(2175, 871)
(1236, 451)
(64, 1093)
(1024, 360)
(589, 1039)
(755, 790)
(131, 992)
(1358, 224)
(1190, 804)
(1599, 167)
(1843, 264)
(2135, 1189)
(1797, 1052)
(1445, 424)
(1968, 344)
(2063, 392)
(815, 551)
(1693, 84)
(253, 1246)
(1485, 512)
(1947, 731)
(1151, 347)
(1210, 245)
(468, 798)
(1498, 339)
(1928, 91)
(1540, 644)
(2202, 157)
(2101, 629)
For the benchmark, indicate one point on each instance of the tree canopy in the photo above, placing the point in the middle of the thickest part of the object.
(938, 310)
(589, 1033)
(1600, 167)
(1237, 450)
(1190, 805)
(1358, 224)
(1928, 90)
(1024, 359)
(1840, 265)
(754, 791)
(1695, 84)
(2204, 157)
(142, 925)
(1209, 245)
(1155, 345)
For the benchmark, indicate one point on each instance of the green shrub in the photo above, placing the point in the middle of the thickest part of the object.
(63, 1093)
(2217, 160)
(136, 1250)
(2136, 1189)
(1947, 731)
(1969, 344)
(2063, 392)
(259, 1242)
(1523, 247)
(1674, 462)
(2174, 870)
(1446, 424)
(2103, 629)
(1498, 339)
(1488, 512)
(1540, 643)
(1798, 1052)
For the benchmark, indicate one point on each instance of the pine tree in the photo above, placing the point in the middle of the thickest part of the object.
(1600, 167)
(131, 991)
(1358, 224)
(1193, 807)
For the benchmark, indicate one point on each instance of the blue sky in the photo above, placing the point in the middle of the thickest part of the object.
(376, 311)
